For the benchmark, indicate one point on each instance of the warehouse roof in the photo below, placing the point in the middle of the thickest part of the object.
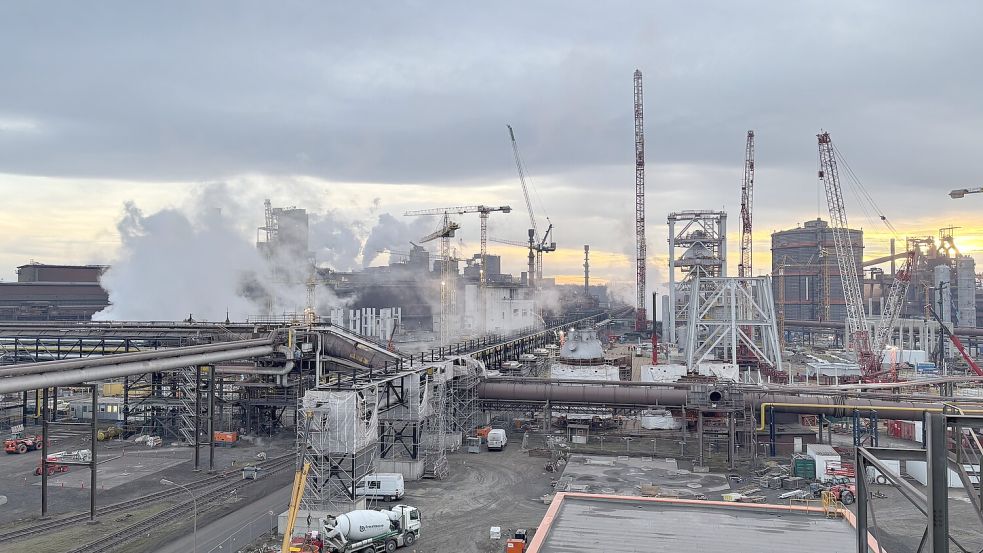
(585, 522)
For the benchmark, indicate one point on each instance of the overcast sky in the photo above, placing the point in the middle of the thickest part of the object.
(369, 107)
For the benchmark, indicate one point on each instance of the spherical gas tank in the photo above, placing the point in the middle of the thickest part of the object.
(363, 524)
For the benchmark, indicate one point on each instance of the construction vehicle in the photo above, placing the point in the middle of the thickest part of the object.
(371, 531)
(54, 467)
(297, 492)
(22, 444)
(955, 342)
(844, 493)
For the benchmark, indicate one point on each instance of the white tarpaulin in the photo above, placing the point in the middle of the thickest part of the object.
(569, 372)
(728, 372)
(662, 373)
(660, 420)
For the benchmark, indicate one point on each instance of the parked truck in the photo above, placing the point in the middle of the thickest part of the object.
(371, 531)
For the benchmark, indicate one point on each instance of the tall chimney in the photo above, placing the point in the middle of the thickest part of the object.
(587, 270)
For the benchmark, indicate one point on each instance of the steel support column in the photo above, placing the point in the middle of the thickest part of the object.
(197, 417)
(44, 453)
(211, 419)
(938, 483)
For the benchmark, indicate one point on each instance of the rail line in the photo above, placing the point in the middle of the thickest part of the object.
(274, 464)
(133, 531)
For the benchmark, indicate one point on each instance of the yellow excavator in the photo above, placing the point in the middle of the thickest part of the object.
(297, 492)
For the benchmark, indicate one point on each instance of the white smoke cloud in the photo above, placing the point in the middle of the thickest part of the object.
(201, 260)
(169, 268)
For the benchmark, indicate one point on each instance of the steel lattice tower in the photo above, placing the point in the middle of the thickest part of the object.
(640, 317)
(747, 199)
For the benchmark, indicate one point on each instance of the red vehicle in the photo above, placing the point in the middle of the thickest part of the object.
(846, 493)
(53, 468)
(22, 445)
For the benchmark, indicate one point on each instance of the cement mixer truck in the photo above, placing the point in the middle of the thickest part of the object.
(371, 531)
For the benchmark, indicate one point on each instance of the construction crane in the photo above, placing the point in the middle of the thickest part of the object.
(296, 493)
(538, 245)
(445, 231)
(640, 317)
(955, 341)
(869, 351)
(482, 210)
(536, 251)
(960, 192)
(747, 198)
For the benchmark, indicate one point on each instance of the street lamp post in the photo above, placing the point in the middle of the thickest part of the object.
(960, 192)
(194, 504)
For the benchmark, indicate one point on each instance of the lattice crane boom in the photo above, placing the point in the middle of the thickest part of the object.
(893, 304)
(522, 179)
(747, 202)
(846, 259)
(640, 316)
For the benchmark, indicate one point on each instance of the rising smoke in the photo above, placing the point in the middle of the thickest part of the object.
(170, 267)
(201, 260)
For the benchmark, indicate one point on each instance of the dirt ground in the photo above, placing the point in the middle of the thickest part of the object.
(482, 490)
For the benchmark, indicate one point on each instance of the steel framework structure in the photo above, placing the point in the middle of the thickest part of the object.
(703, 234)
(728, 314)
(640, 315)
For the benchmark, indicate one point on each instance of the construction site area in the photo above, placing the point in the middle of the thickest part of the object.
(824, 398)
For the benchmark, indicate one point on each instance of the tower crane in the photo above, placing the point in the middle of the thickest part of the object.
(537, 245)
(445, 231)
(747, 197)
(482, 210)
(869, 351)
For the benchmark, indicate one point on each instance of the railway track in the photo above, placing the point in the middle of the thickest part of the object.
(216, 482)
(123, 535)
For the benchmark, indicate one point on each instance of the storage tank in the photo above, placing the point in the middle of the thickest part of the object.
(363, 524)
(808, 254)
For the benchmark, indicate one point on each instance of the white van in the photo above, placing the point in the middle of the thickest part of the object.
(384, 485)
(497, 439)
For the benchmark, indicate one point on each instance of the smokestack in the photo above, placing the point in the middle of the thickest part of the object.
(587, 270)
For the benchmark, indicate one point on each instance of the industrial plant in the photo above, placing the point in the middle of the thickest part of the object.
(450, 396)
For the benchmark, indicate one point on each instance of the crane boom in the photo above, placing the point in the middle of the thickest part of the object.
(640, 254)
(459, 210)
(892, 306)
(747, 198)
(522, 179)
(845, 258)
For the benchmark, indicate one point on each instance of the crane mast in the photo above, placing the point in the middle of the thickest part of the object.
(846, 260)
(747, 198)
(640, 317)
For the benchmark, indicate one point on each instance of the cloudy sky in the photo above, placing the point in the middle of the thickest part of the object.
(361, 108)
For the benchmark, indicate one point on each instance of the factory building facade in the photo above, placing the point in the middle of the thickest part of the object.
(53, 293)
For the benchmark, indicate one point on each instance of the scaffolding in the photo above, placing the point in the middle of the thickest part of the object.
(338, 437)
(462, 400)
(434, 428)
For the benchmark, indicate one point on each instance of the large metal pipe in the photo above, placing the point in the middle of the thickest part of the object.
(118, 358)
(69, 377)
(573, 393)
(960, 331)
(833, 405)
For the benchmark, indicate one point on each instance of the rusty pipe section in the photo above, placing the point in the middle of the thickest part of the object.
(638, 394)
